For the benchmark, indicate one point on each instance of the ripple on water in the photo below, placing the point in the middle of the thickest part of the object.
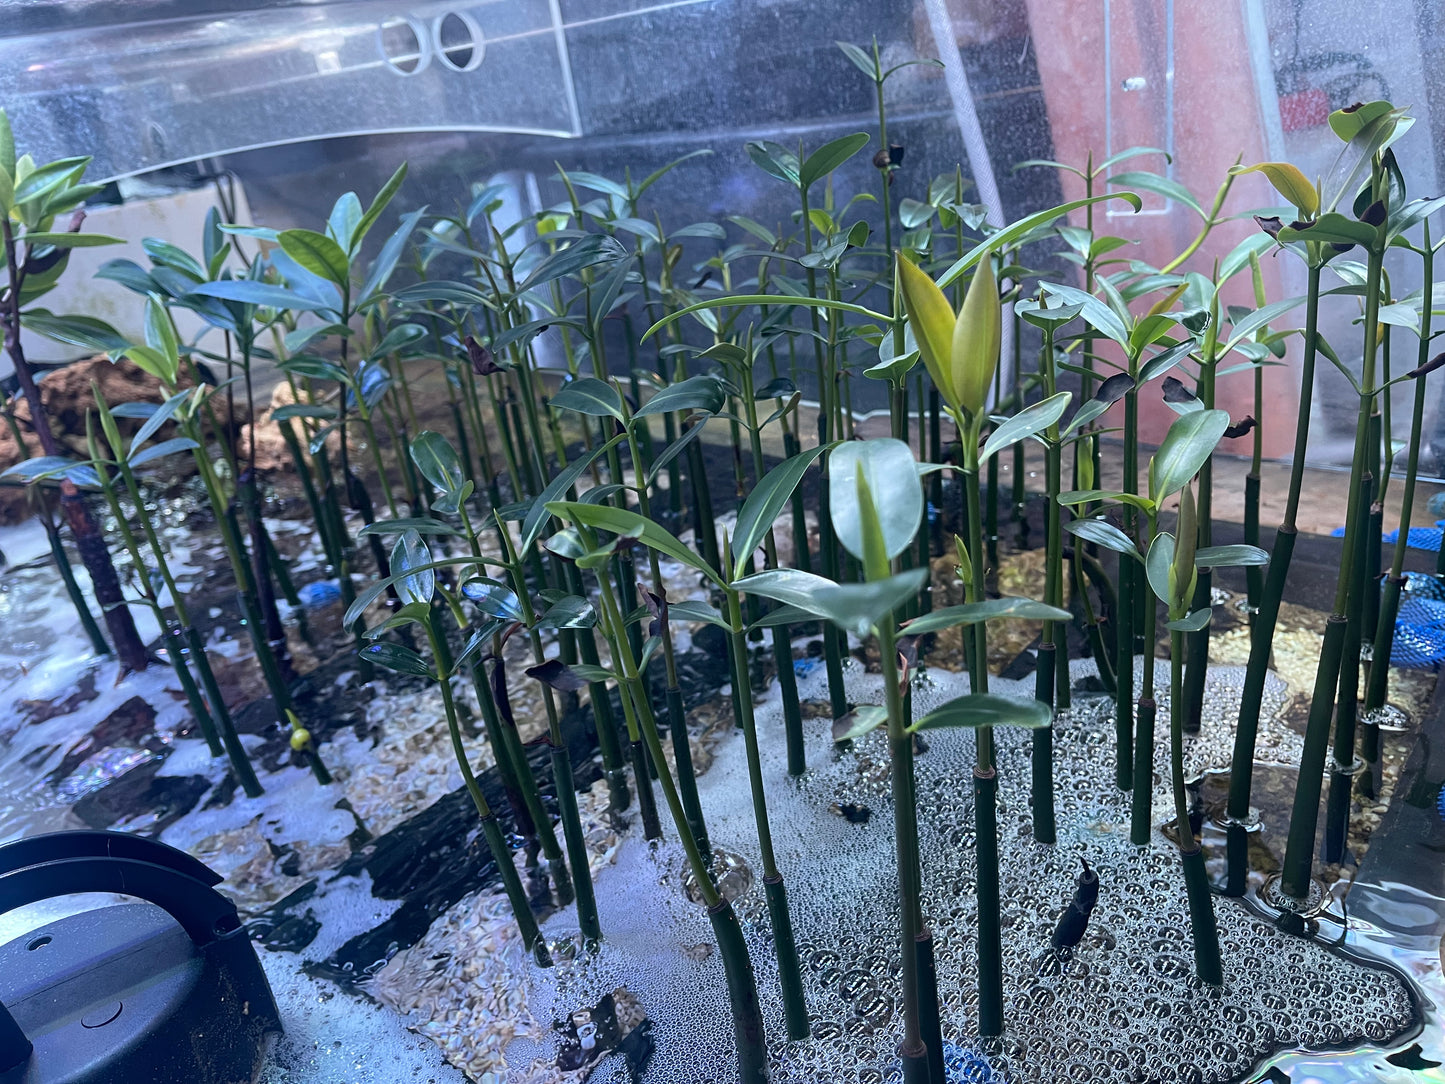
(1124, 1007)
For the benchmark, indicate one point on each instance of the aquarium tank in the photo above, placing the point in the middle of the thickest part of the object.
(722, 541)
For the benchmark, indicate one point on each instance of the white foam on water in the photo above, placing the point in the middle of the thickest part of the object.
(1126, 1004)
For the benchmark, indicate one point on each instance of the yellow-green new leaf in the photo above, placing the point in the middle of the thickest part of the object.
(1182, 574)
(931, 317)
(7, 147)
(1289, 182)
(976, 336)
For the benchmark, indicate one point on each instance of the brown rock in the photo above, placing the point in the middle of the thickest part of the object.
(67, 396)
(272, 455)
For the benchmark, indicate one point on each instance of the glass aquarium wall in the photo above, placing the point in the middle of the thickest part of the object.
(298, 101)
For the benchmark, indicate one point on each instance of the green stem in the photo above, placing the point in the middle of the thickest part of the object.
(1262, 628)
(790, 975)
(501, 853)
(1377, 690)
(1304, 815)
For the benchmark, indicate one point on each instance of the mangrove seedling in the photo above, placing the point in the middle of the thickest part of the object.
(580, 544)
(37, 249)
(876, 520)
(415, 578)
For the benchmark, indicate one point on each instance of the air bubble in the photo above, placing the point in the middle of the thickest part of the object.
(1123, 1008)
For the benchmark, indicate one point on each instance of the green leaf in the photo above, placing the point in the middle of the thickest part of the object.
(438, 461)
(1352, 120)
(164, 448)
(1026, 423)
(44, 466)
(263, 294)
(75, 329)
(604, 297)
(493, 598)
(1230, 556)
(1096, 314)
(586, 251)
(1199, 619)
(1333, 228)
(157, 419)
(1238, 258)
(774, 159)
(782, 301)
(1161, 186)
(379, 204)
(130, 275)
(662, 171)
(709, 230)
(1042, 315)
(1289, 182)
(861, 720)
(1190, 442)
(758, 512)
(690, 610)
(7, 191)
(984, 709)
(569, 678)
(314, 368)
(932, 319)
(977, 335)
(694, 393)
(914, 213)
(165, 254)
(72, 240)
(476, 641)
(855, 607)
(1183, 573)
(1243, 328)
(153, 362)
(441, 290)
(319, 254)
(620, 522)
(830, 156)
(1129, 152)
(571, 612)
(343, 220)
(7, 146)
(522, 334)
(161, 334)
(386, 260)
(409, 556)
(863, 62)
(892, 476)
(1103, 533)
(1400, 314)
(411, 614)
(396, 657)
(1403, 219)
(1006, 236)
(538, 514)
(419, 524)
(1106, 395)
(640, 227)
(596, 182)
(588, 395)
(1165, 360)
(398, 338)
(783, 614)
(44, 180)
(374, 591)
(1089, 496)
(1158, 562)
(971, 613)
